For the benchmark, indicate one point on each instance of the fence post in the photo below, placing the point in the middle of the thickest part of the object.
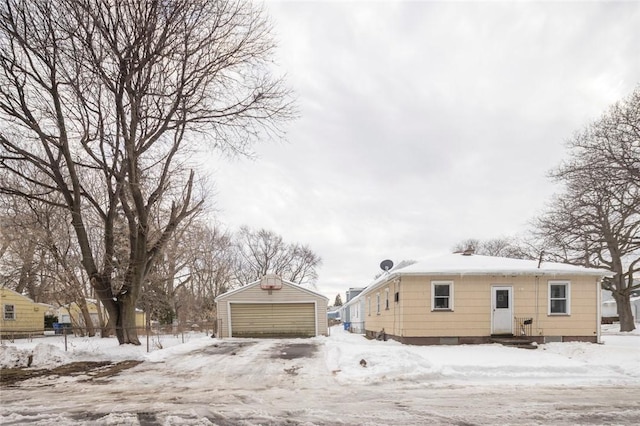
(64, 331)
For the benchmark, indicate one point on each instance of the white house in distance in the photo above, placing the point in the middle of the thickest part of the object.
(272, 307)
(610, 307)
(352, 311)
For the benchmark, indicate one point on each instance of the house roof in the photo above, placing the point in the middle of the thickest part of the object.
(257, 283)
(15, 293)
(461, 264)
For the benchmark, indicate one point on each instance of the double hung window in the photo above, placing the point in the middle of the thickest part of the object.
(9, 312)
(442, 295)
(559, 298)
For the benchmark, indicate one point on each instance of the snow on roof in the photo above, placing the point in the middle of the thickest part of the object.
(459, 263)
(257, 283)
(464, 264)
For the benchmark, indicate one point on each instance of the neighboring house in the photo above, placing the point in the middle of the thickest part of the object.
(20, 315)
(352, 312)
(465, 298)
(271, 307)
(333, 313)
(351, 294)
(71, 314)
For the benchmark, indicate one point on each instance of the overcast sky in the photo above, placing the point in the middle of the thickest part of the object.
(425, 123)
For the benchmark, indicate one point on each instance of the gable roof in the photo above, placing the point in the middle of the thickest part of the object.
(15, 293)
(257, 283)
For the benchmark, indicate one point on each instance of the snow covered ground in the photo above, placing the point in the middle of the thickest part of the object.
(340, 379)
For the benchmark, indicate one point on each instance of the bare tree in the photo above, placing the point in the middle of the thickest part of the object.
(102, 101)
(596, 220)
(212, 266)
(23, 260)
(44, 256)
(260, 252)
(500, 247)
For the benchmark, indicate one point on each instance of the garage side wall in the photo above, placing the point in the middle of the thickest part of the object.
(289, 293)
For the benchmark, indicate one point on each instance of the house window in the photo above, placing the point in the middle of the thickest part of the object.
(396, 297)
(9, 312)
(369, 305)
(378, 303)
(386, 303)
(442, 295)
(559, 298)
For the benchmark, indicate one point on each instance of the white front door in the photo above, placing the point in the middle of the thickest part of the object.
(502, 310)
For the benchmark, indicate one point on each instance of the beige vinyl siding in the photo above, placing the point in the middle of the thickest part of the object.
(273, 319)
(289, 293)
(29, 316)
(471, 316)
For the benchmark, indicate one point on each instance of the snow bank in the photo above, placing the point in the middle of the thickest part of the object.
(351, 358)
(51, 351)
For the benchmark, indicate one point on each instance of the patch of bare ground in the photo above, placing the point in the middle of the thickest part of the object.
(92, 369)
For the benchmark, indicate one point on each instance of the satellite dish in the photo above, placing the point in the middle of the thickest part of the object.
(386, 265)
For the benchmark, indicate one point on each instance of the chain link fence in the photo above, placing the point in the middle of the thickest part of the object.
(151, 336)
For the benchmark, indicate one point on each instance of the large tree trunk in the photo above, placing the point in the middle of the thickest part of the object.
(121, 311)
(126, 329)
(625, 314)
(88, 321)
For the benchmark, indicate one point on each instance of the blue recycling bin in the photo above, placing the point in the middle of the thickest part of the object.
(57, 328)
(347, 325)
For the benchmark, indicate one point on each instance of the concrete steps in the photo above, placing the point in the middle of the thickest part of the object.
(518, 342)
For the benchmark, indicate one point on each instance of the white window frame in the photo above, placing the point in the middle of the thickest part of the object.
(433, 295)
(386, 303)
(567, 297)
(378, 303)
(11, 313)
(369, 305)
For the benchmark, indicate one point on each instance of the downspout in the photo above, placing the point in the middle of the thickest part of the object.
(537, 305)
(229, 333)
(598, 309)
(396, 306)
(400, 309)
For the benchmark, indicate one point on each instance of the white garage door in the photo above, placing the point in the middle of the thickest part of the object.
(273, 320)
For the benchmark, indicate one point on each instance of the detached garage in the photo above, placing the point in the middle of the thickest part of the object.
(272, 307)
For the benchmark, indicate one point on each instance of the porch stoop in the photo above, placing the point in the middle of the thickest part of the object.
(518, 342)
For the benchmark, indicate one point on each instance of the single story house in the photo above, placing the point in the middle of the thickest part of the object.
(20, 314)
(72, 314)
(466, 298)
(272, 307)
